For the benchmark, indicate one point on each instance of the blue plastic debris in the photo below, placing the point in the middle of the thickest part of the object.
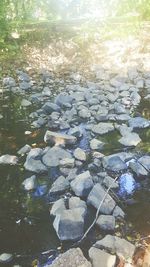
(127, 185)
(40, 191)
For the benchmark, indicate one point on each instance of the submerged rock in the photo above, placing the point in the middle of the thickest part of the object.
(100, 258)
(58, 138)
(130, 139)
(8, 159)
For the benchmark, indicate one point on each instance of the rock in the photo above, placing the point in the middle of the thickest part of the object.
(106, 222)
(130, 139)
(132, 74)
(53, 156)
(67, 163)
(103, 128)
(114, 163)
(58, 138)
(8, 159)
(23, 76)
(122, 117)
(118, 212)
(109, 182)
(25, 86)
(73, 202)
(135, 98)
(64, 100)
(79, 154)
(49, 107)
(138, 122)
(58, 187)
(24, 150)
(84, 113)
(71, 258)
(35, 165)
(30, 183)
(124, 130)
(95, 144)
(9, 82)
(141, 166)
(69, 224)
(145, 162)
(25, 103)
(75, 132)
(95, 197)
(82, 184)
(46, 91)
(6, 258)
(100, 258)
(117, 245)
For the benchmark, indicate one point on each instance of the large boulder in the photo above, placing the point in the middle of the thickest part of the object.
(103, 128)
(53, 156)
(100, 258)
(58, 138)
(96, 196)
(71, 258)
(82, 184)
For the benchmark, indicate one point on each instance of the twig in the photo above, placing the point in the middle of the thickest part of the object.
(96, 216)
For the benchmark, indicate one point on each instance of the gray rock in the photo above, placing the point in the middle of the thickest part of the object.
(130, 139)
(84, 113)
(53, 156)
(145, 161)
(46, 91)
(114, 163)
(75, 132)
(96, 144)
(69, 224)
(35, 165)
(122, 117)
(141, 167)
(95, 197)
(8, 159)
(25, 103)
(103, 128)
(73, 202)
(64, 100)
(124, 130)
(49, 107)
(106, 222)
(67, 163)
(6, 258)
(100, 258)
(25, 86)
(59, 186)
(71, 258)
(79, 154)
(117, 245)
(118, 212)
(9, 82)
(23, 76)
(30, 183)
(24, 150)
(109, 182)
(58, 138)
(138, 122)
(82, 184)
(135, 98)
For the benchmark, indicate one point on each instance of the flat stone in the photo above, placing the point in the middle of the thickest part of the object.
(53, 156)
(30, 183)
(103, 128)
(6, 258)
(100, 258)
(71, 258)
(96, 144)
(139, 122)
(24, 150)
(130, 139)
(8, 159)
(95, 197)
(69, 224)
(35, 165)
(106, 222)
(79, 154)
(82, 184)
(58, 138)
(114, 163)
(117, 245)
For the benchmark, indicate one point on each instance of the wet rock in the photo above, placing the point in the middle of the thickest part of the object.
(79, 154)
(109, 182)
(6, 258)
(72, 258)
(106, 222)
(25, 86)
(103, 128)
(58, 187)
(95, 197)
(8, 159)
(69, 224)
(138, 122)
(49, 107)
(73, 202)
(25, 103)
(30, 183)
(64, 100)
(67, 163)
(118, 212)
(58, 138)
(96, 144)
(130, 139)
(117, 245)
(53, 156)
(82, 184)
(114, 163)
(100, 258)
(24, 150)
